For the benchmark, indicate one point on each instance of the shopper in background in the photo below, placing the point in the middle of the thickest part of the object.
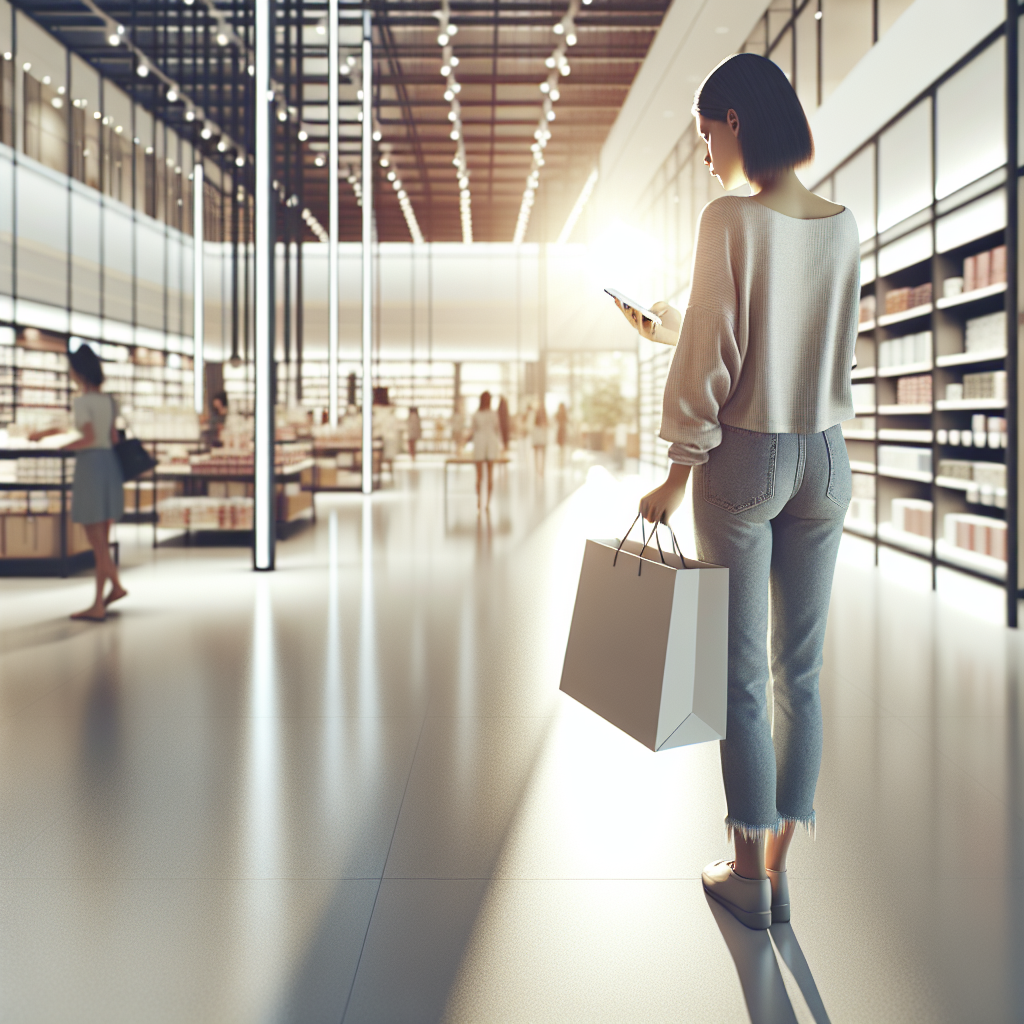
(413, 430)
(539, 437)
(505, 421)
(755, 396)
(458, 426)
(97, 498)
(562, 431)
(213, 428)
(486, 447)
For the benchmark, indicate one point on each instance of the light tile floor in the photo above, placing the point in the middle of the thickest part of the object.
(350, 791)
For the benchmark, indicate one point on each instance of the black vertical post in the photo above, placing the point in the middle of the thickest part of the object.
(301, 190)
(1012, 497)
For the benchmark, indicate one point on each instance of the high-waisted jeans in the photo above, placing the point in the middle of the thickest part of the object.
(771, 508)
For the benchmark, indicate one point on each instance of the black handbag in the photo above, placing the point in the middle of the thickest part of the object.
(134, 459)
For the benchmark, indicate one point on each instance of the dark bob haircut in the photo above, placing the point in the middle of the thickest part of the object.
(774, 133)
(87, 365)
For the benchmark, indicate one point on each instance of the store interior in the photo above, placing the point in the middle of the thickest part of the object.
(317, 766)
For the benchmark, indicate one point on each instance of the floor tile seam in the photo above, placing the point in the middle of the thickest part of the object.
(934, 744)
(380, 881)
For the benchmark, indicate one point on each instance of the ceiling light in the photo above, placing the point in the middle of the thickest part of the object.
(251, 69)
(555, 95)
(551, 115)
(60, 90)
(544, 87)
(222, 146)
(559, 29)
(445, 70)
(96, 115)
(449, 95)
(57, 102)
(359, 94)
(456, 88)
(454, 135)
(319, 161)
(113, 39)
(321, 29)
(222, 40)
(384, 161)
(570, 39)
(396, 185)
(442, 39)
(817, 15)
(27, 66)
(118, 129)
(120, 30)
(190, 115)
(282, 115)
(549, 62)
(454, 61)
(303, 135)
(142, 71)
(452, 115)
(239, 161)
(350, 60)
(403, 194)
(149, 151)
(564, 69)
(377, 136)
(453, 30)
(172, 96)
(391, 175)
(206, 133)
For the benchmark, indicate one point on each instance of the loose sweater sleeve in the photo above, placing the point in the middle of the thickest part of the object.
(707, 360)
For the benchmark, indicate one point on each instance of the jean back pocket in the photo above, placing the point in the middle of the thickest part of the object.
(840, 481)
(740, 472)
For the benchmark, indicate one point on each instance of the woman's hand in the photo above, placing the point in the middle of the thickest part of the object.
(658, 505)
(667, 333)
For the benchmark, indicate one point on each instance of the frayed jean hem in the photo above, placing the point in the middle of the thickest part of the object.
(757, 833)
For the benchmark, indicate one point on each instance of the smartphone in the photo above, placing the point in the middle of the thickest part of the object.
(642, 310)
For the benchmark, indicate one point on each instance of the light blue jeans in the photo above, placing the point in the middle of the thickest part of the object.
(771, 508)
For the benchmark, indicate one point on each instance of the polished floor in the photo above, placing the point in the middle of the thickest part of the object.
(350, 791)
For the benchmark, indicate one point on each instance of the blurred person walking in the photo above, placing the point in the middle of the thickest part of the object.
(97, 497)
(539, 437)
(562, 431)
(486, 447)
(413, 430)
(505, 421)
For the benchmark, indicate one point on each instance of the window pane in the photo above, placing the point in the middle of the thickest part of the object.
(807, 58)
(910, 249)
(845, 38)
(905, 166)
(975, 220)
(888, 12)
(855, 189)
(782, 53)
(85, 251)
(970, 120)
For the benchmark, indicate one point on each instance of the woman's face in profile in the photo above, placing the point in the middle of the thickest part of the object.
(724, 157)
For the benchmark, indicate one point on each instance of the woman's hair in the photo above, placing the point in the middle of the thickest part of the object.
(87, 365)
(485, 400)
(774, 134)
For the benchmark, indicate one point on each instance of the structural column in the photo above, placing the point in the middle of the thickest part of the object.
(367, 183)
(198, 328)
(264, 511)
(332, 215)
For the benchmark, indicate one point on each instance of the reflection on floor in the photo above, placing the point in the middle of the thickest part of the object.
(350, 791)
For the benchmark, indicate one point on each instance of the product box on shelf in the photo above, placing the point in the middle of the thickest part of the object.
(984, 269)
(986, 333)
(899, 300)
(906, 350)
(981, 534)
(990, 384)
(905, 457)
(38, 536)
(867, 308)
(912, 515)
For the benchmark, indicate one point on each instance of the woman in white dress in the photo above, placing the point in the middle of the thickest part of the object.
(539, 437)
(486, 446)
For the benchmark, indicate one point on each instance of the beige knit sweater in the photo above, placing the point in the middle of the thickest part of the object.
(768, 334)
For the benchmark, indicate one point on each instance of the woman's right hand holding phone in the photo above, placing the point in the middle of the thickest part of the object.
(665, 333)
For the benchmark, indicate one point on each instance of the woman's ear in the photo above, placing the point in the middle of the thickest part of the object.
(733, 121)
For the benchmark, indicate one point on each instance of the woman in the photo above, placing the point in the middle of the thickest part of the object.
(539, 437)
(486, 446)
(505, 422)
(413, 430)
(562, 430)
(758, 387)
(97, 497)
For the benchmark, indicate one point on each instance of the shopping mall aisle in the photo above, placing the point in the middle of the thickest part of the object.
(351, 791)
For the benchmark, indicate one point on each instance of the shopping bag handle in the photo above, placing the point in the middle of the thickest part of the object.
(647, 540)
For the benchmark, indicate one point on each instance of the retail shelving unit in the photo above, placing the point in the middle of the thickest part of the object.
(39, 539)
(933, 442)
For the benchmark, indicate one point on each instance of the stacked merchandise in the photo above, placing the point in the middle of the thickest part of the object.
(172, 423)
(986, 333)
(909, 350)
(980, 534)
(206, 513)
(916, 390)
(989, 385)
(241, 462)
(899, 300)
(985, 432)
(862, 504)
(986, 481)
(985, 269)
(860, 425)
(912, 515)
(864, 397)
(904, 458)
(867, 309)
(31, 503)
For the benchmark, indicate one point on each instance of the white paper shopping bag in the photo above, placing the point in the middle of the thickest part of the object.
(648, 645)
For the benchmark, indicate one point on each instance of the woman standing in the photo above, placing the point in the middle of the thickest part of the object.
(486, 446)
(562, 430)
(539, 437)
(758, 387)
(97, 497)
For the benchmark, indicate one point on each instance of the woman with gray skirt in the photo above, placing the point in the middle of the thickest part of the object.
(757, 390)
(97, 499)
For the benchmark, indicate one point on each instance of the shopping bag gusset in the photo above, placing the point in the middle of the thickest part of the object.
(648, 644)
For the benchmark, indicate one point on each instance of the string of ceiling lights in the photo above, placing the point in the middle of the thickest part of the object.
(446, 33)
(559, 68)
